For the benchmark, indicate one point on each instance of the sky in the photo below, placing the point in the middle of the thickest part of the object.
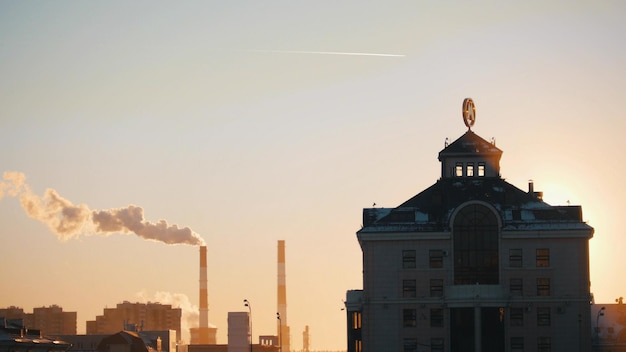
(242, 123)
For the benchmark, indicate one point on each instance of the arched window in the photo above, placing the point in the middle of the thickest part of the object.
(475, 234)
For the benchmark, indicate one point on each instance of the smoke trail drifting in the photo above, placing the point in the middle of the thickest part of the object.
(68, 220)
(190, 313)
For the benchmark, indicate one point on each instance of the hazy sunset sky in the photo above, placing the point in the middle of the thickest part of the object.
(243, 121)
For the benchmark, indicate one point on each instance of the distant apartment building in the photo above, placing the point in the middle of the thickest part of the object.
(50, 320)
(239, 338)
(472, 264)
(141, 316)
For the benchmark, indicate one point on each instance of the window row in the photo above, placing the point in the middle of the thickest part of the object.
(435, 258)
(544, 316)
(411, 345)
(467, 170)
(542, 257)
(409, 288)
(409, 318)
(543, 286)
(544, 344)
(516, 316)
(516, 287)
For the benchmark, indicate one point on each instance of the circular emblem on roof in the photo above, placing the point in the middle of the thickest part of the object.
(469, 112)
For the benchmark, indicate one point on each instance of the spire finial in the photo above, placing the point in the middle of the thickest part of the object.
(469, 113)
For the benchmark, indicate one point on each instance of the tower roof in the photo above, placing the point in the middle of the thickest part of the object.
(469, 144)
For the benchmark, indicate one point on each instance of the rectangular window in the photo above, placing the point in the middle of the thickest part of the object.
(356, 320)
(409, 318)
(517, 316)
(436, 288)
(409, 289)
(435, 258)
(543, 257)
(436, 318)
(436, 344)
(544, 344)
(543, 316)
(481, 169)
(408, 259)
(517, 344)
(543, 287)
(470, 170)
(515, 258)
(458, 171)
(410, 345)
(516, 287)
(358, 346)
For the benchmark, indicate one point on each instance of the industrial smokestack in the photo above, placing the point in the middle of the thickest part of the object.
(283, 328)
(204, 295)
(203, 334)
(67, 220)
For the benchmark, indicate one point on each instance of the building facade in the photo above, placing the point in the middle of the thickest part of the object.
(139, 316)
(472, 264)
(50, 320)
(239, 335)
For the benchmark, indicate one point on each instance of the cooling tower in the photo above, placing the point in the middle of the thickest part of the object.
(283, 329)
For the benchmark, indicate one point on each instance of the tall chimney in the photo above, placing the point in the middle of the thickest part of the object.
(283, 328)
(204, 295)
(203, 334)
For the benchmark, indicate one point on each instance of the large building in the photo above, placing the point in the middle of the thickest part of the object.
(239, 338)
(473, 264)
(139, 316)
(50, 320)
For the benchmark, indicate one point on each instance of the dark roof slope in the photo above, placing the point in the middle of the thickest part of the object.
(127, 338)
(469, 143)
(430, 210)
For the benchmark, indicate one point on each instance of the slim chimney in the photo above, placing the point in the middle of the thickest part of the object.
(283, 328)
(203, 334)
(204, 295)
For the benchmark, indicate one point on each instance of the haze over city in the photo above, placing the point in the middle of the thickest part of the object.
(242, 123)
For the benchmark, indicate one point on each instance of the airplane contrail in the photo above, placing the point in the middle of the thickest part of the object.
(326, 53)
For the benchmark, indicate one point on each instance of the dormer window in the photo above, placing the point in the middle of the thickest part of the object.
(470, 170)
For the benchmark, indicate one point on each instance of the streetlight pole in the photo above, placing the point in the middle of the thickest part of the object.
(247, 304)
(600, 314)
(280, 332)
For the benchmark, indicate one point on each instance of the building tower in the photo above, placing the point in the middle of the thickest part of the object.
(238, 331)
(472, 264)
(283, 328)
(203, 335)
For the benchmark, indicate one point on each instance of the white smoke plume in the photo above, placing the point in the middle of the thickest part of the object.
(190, 313)
(68, 221)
